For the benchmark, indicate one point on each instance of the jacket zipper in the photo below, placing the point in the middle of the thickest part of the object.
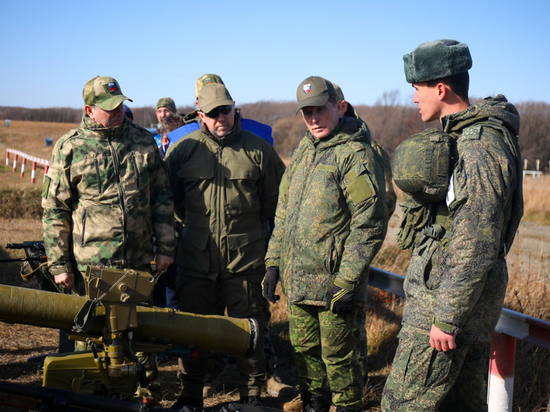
(135, 169)
(122, 197)
(219, 210)
(83, 227)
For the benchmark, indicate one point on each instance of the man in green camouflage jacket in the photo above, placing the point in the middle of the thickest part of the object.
(226, 182)
(456, 281)
(106, 198)
(330, 222)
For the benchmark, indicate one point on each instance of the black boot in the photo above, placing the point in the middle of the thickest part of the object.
(315, 403)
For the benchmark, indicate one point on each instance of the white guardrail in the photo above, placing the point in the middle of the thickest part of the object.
(25, 156)
(511, 326)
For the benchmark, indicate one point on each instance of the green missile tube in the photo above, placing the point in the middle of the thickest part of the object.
(220, 334)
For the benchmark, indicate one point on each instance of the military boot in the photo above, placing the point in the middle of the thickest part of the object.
(316, 403)
(274, 384)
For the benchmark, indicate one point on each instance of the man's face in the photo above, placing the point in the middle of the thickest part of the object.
(217, 122)
(109, 119)
(322, 120)
(428, 101)
(163, 112)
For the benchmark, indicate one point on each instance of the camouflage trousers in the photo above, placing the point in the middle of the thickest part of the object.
(423, 379)
(326, 354)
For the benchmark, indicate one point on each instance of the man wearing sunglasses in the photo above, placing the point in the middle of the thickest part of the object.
(225, 182)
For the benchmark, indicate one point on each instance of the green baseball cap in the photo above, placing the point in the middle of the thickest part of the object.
(214, 95)
(436, 60)
(103, 92)
(204, 80)
(168, 103)
(313, 91)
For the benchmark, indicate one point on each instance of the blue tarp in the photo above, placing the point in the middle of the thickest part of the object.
(260, 129)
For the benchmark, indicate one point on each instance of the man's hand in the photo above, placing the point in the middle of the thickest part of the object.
(66, 280)
(441, 341)
(339, 300)
(270, 283)
(163, 262)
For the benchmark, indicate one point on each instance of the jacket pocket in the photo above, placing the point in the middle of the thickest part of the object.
(193, 253)
(332, 261)
(246, 251)
(241, 188)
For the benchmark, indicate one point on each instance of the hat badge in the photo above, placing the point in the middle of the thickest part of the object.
(307, 88)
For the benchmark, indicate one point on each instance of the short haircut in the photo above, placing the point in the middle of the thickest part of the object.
(333, 98)
(459, 84)
(170, 123)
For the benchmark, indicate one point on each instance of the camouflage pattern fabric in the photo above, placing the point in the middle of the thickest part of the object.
(224, 190)
(460, 286)
(423, 379)
(331, 217)
(325, 352)
(107, 199)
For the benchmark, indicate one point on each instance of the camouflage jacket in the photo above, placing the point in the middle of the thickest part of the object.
(331, 217)
(459, 283)
(224, 190)
(107, 199)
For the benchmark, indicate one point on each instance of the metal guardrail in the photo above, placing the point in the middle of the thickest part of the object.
(511, 326)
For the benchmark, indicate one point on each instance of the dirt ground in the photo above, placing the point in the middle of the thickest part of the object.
(22, 347)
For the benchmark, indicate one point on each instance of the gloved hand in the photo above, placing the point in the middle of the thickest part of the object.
(269, 283)
(340, 300)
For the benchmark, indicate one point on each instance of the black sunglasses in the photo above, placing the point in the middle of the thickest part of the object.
(214, 113)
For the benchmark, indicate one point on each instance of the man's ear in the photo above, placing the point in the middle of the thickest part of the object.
(89, 111)
(341, 107)
(441, 91)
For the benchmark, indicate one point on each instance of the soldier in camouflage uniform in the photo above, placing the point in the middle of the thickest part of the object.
(106, 198)
(456, 281)
(330, 222)
(226, 182)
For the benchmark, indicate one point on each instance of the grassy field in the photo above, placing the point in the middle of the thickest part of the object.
(528, 261)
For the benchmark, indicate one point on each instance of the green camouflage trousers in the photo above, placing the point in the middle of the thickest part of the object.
(423, 379)
(326, 354)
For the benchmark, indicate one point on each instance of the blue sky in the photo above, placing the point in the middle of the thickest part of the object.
(262, 49)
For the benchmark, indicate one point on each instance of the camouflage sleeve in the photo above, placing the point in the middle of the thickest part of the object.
(364, 188)
(57, 200)
(268, 184)
(479, 190)
(162, 209)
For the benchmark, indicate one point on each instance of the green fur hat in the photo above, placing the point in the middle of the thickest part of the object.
(436, 60)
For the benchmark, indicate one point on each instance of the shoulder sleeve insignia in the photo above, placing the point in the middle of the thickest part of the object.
(471, 133)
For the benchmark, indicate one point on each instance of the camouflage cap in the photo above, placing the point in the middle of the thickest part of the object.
(313, 91)
(168, 103)
(103, 92)
(204, 80)
(214, 95)
(338, 91)
(436, 60)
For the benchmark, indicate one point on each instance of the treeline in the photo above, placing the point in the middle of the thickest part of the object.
(389, 120)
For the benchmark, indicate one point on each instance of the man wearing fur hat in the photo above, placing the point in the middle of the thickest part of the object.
(225, 181)
(456, 281)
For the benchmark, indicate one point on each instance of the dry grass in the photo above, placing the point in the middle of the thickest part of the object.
(528, 261)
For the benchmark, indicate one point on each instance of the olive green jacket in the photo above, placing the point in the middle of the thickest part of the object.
(331, 217)
(224, 191)
(107, 199)
(459, 283)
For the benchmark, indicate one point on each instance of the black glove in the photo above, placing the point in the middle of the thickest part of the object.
(269, 283)
(339, 300)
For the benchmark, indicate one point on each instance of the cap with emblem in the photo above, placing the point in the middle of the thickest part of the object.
(168, 103)
(313, 91)
(103, 92)
(436, 60)
(214, 95)
(204, 80)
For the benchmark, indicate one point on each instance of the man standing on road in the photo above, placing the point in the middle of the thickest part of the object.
(107, 198)
(456, 281)
(330, 222)
(225, 182)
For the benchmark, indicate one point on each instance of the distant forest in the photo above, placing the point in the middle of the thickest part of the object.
(390, 122)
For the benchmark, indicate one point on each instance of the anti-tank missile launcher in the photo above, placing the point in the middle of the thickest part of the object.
(120, 332)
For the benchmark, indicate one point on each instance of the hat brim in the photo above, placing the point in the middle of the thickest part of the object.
(315, 101)
(207, 108)
(112, 103)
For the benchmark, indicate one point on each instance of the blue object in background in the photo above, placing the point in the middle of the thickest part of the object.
(260, 129)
